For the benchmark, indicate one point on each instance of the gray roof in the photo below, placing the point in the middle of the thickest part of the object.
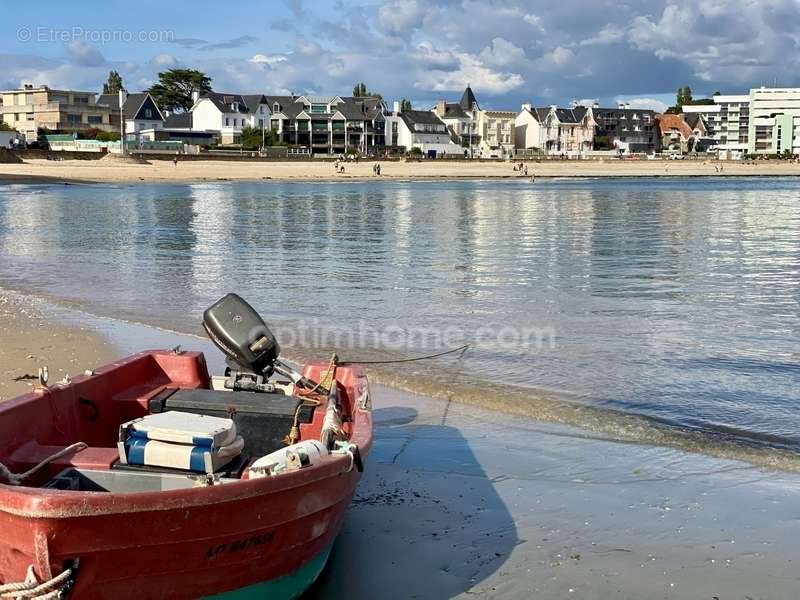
(692, 119)
(453, 110)
(565, 115)
(421, 117)
(133, 102)
(622, 112)
(179, 121)
(468, 99)
(246, 103)
(352, 108)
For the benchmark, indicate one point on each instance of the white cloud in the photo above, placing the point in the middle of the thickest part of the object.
(643, 103)
(472, 71)
(501, 53)
(559, 56)
(164, 60)
(534, 20)
(269, 60)
(84, 55)
(609, 34)
(401, 16)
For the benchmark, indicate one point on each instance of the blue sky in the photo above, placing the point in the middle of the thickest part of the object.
(511, 52)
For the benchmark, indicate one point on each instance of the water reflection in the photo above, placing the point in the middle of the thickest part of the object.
(676, 299)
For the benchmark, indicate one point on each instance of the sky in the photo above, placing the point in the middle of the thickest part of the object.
(510, 52)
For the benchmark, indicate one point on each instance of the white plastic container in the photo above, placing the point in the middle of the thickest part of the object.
(291, 458)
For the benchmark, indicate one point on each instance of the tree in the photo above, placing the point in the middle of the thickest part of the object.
(405, 104)
(360, 91)
(175, 88)
(114, 83)
(5, 126)
(251, 138)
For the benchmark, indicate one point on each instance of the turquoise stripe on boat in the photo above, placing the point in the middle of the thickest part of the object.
(286, 587)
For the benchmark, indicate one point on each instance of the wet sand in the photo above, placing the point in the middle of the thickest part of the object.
(73, 171)
(459, 502)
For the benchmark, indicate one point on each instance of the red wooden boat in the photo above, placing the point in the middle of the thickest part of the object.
(87, 525)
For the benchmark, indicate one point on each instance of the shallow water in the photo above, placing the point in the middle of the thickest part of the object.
(675, 299)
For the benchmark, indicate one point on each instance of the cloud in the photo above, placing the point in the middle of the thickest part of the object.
(401, 16)
(464, 69)
(164, 60)
(643, 103)
(238, 42)
(83, 54)
(502, 53)
(269, 60)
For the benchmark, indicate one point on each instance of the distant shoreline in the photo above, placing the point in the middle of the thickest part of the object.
(82, 171)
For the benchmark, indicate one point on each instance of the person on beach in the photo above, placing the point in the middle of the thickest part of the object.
(374, 169)
(379, 169)
(175, 160)
(525, 171)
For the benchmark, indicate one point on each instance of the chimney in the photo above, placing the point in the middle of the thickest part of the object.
(27, 86)
(526, 106)
(195, 96)
(573, 104)
(596, 105)
(396, 107)
(621, 105)
(440, 108)
(627, 105)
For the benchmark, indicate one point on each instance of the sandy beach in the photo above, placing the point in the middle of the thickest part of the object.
(73, 171)
(459, 502)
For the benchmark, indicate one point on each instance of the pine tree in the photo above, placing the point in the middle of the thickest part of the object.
(114, 83)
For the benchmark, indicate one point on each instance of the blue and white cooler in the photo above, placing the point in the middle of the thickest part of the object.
(178, 440)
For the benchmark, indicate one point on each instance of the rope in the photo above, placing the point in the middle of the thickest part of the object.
(294, 432)
(32, 589)
(6, 476)
(460, 349)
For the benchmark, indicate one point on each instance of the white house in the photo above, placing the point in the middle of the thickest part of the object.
(461, 119)
(139, 111)
(228, 114)
(420, 129)
(555, 131)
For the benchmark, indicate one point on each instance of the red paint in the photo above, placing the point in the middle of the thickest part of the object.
(175, 544)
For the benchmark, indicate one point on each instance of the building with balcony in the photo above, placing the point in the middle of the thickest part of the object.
(625, 129)
(139, 111)
(421, 129)
(727, 122)
(553, 131)
(226, 115)
(496, 133)
(329, 124)
(33, 108)
(461, 120)
(774, 126)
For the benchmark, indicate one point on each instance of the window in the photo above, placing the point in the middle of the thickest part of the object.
(276, 107)
(227, 121)
(95, 119)
(318, 108)
(29, 116)
(28, 98)
(73, 118)
(81, 100)
(148, 113)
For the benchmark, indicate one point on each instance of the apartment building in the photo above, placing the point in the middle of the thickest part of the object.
(626, 129)
(727, 122)
(496, 133)
(329, 124)
(226, 115)
(32, 108)
(774, 126)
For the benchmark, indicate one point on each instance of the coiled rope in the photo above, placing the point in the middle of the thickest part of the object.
(33, 589)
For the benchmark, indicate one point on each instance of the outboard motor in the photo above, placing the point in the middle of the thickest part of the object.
(251, 349)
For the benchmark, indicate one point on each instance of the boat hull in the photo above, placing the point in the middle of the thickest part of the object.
(246, 537)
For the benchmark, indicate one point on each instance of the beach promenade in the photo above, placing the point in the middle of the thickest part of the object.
(45, 171)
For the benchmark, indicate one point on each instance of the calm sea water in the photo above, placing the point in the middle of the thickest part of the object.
(674, 299)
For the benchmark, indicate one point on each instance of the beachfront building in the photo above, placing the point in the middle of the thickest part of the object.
(496, 133)
(227, 114)
(329, 124)
(727, 122)
(676, 135)
(33, 108)
(553, 131)
(139, 111)
(461, 119)
(421, 129)
(774, 126)
(624, 129)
